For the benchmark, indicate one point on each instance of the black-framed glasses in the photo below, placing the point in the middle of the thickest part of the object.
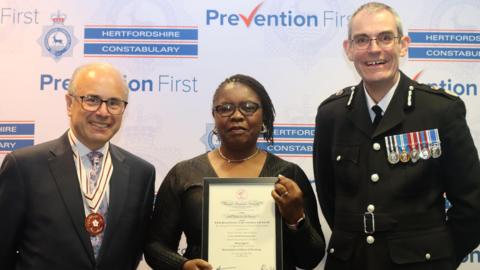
(384, 40)
(92, 103)
(247, 108)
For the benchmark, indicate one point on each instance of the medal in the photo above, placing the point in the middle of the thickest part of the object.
(393, 158)
(94, 224)
(415, 155)
(93, 184)
(396, 148)
(424, 151)
(404, 156)
(392, 154)
(425, 154)
(436, 149)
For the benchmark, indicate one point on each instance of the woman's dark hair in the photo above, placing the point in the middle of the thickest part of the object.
(266, 103)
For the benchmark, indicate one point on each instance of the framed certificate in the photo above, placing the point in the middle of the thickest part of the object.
(241, 224)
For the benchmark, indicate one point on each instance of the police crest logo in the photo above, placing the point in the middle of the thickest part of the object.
(57, 40)
(210, 138)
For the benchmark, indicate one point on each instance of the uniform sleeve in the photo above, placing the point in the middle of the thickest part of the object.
(323, 171)
(462, 179)
(12, 209)
(307, 244)
(165, 229)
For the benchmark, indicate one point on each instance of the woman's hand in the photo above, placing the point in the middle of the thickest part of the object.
(289, 199)
(196, 264)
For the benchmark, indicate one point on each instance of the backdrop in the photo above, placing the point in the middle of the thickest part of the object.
(175, 53)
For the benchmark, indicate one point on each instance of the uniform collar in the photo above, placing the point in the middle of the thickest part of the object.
(383, 103)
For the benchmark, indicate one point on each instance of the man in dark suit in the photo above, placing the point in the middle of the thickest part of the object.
(78, 202)
(385, 153)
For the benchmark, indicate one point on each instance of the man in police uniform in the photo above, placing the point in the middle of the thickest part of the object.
(386, 152)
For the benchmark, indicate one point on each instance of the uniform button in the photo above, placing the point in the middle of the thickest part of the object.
(339, 158)
(370, 239)
(374, 177)
(371, 208)
(376, 146)
(428, 256)
(332, 250)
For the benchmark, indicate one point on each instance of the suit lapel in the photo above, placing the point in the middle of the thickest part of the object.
(62, 167)
(118, 195)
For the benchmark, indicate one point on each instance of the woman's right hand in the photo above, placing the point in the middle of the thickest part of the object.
(196, 264)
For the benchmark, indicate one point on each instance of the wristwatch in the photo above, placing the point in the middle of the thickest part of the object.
(297, 224)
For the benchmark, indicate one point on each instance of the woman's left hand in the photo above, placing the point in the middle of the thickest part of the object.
(289, 199)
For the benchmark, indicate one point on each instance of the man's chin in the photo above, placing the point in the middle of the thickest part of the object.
(101, 139)
(375, 79)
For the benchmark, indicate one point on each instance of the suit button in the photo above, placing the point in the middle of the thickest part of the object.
(376, 146)
(370, 239)
(339, 158)
(332, 250)
(428, 256)
(374, 177)
(371, 208)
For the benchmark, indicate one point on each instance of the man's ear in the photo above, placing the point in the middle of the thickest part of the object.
(69, 100)
(404, 43)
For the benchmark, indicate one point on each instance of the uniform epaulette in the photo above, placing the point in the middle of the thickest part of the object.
(342, 93)
(436, 90)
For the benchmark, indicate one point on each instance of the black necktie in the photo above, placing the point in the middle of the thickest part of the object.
(378, 115)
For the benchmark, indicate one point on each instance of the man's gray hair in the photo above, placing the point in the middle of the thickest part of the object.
(373, 7)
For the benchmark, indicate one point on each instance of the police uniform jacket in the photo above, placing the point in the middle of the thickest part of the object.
(392, 216)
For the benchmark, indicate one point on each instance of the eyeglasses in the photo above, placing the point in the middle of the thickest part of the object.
(247, 108)
(384, 40)
(92, 103)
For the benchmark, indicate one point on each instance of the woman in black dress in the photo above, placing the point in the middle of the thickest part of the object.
(242, 110)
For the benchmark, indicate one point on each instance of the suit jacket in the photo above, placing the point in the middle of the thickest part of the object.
(406, 200)
(43, 213)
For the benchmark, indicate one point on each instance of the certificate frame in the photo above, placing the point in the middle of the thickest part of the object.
(241, 243)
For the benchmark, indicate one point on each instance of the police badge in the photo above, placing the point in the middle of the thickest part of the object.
(57, 40)
(210, 138)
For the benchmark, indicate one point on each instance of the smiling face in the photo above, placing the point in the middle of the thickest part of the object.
(378, 67)
(237, 131)
(94, 129)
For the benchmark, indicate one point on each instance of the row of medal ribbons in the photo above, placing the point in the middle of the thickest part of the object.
(413, 146)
